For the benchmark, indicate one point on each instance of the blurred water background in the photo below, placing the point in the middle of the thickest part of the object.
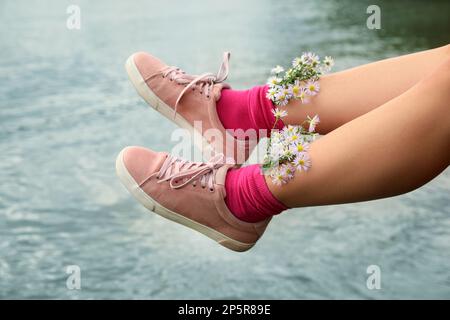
(67, 109)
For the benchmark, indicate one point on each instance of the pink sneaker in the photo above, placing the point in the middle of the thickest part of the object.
(190, 193)
(190, 102)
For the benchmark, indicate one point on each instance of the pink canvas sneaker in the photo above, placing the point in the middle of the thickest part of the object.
(190, 102)
(190, 193)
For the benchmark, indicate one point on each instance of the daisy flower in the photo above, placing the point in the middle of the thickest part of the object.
(288, 130)
(312, 87)
(328, 61)
(282, 97)
(277, 177)
(287, 170)
(313, 122)
(282, 101)
(295, 89)
(302, 161)
(300, 147)
(271, 93)
(274, 81)
(279, 113)
(277, 70)
(294, 138)
(310, 58)
(286, 91)
(287, 153)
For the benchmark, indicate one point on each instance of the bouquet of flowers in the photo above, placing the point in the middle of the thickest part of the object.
(299, 82)
(287, 150)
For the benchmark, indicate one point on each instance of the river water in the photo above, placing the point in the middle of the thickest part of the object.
(67, 109)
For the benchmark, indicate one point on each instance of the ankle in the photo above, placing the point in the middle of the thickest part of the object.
(248, 196)
(247, 109)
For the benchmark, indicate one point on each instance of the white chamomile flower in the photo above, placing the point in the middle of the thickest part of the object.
(328, 61)
(288, 130)
(277, 177)
(314, 59)
(294, 138)
(287, 153)
(277, 70)
(271, 93)
(312, 87)
(282, 97)
(279, 113)
(300, 147)
(273, 81)
(310, 59)
(295, 89)
(287, 170)
(302, 161)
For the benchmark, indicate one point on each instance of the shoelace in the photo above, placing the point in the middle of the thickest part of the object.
(176, 169)
(204, 82)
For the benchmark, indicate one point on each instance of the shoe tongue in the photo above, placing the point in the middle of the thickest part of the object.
(217, 89)
(221, 173)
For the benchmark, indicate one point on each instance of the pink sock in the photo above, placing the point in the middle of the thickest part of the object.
(248, 196)
(245, 109)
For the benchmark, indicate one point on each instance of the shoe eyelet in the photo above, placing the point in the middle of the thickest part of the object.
(208, 96)
(211, 190)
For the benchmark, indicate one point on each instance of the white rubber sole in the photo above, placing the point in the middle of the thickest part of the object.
(153, 101)
(152, 205)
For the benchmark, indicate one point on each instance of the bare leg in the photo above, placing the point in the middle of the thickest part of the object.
(391, 150)
(349, 94)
